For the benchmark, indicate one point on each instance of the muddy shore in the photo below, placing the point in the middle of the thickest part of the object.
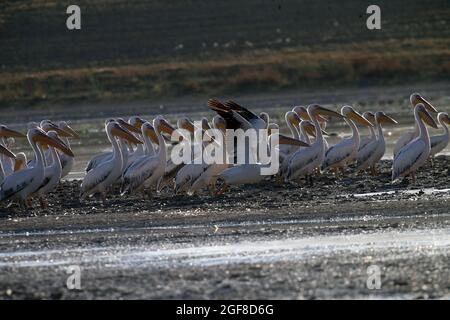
(259, 241)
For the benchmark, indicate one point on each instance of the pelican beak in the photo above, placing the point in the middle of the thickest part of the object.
(6, 152)
(322, 111)
(291, 141)
(355, 116)
(151, 133)
(128, 126)
(189, 126)
(427, 118)
(302, 113)
(166, 127)
(419, 99)
(120, 132)
(7, 133)
(139, 123)
(295, 119)
(71, 132)
(311, 130)
(54, 127)
(386, 119)
(42, 138)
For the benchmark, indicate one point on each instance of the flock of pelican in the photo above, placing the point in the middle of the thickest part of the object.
(139, 162)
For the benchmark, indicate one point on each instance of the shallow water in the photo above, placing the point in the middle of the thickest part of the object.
(257, 251)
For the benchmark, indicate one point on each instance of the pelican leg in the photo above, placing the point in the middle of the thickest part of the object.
(29, 203)
(432, 161)
(222, 190)
(310, 180)
(373, 171)
(43, 202)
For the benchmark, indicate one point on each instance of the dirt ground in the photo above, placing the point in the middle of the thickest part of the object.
(261, 241)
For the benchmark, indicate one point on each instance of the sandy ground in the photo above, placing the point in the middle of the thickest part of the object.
(261, 241)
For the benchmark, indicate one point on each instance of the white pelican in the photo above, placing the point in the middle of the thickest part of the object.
(344, 152)
(302, 112)
(250, 173)
(20, 184)
(4, 152)
(52, 172)
(66, 161)
(412, 156)
(306, 160)
(293, 123)
(415, 98)
(108, 155)
(439, 142)
(208, 175)
(372, 152)
(363, 140)
(100, 178)
(149, 169)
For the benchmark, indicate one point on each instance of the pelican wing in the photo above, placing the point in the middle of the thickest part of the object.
(138, 172)
(256, 121)
(337, 153)
(301, 158)
(98, 159)
(16, 182)
(366, 152)
(96, 176)
(408, 156)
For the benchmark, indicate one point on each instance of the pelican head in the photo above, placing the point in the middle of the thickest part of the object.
(136, 122)
(219, 123)
(205, 124)
(186, 124)
(416, 98)
(6, 132)
(47, 126)
(265, 117)
(38, 135)
(119, 131)
(128, 126)
(425, 115)
(443, 117)
(383, 118)
(65, 127)
(353, 115)
(150, 132)
(301, 112)
(293, 118)
(369, 116)
(308, 127)
(162, 125)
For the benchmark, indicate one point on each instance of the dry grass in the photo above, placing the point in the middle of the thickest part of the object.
(289, 68)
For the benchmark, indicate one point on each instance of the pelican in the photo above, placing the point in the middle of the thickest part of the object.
(108, 155)
(439, 142)
(372, 152)
(363, 140)
(208, 175)
(149, 169)
(20, 184)
(413, 155)
(304, 161)
(345, 152)
(414, 99)
(250, 173)
(293, 122)
(52, 172)
(100, 178)
(302, 112)
(66, 161)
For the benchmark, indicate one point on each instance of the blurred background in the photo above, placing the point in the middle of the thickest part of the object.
(136, 50)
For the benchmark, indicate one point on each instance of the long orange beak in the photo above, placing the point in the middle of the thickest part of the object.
(7, 133)
(6, 152)
(71, 132)
(118, 131)
(53, 142)
(128, 126)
